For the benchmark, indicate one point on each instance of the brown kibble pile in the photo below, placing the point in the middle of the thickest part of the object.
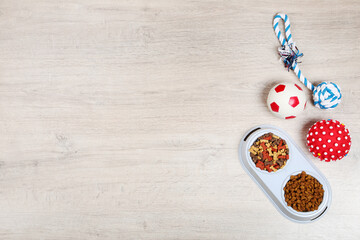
(269, 152)
(303, 192)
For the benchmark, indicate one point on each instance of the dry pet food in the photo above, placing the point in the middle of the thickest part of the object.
(269, 152)
(303, 192)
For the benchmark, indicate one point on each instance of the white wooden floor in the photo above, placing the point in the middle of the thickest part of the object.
(121, 119)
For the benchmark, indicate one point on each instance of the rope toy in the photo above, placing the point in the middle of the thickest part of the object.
(327, 94)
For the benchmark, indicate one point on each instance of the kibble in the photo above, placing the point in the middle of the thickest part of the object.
(269, 152)
(303, 192)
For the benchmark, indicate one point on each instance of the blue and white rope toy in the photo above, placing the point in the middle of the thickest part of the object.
(327, 94)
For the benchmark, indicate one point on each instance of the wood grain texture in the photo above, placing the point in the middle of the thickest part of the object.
(121, 119)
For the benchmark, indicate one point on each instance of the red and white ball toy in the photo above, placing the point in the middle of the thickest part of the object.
(286, 100)
(329, 140)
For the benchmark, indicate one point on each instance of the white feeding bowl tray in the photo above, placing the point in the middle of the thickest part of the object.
(272, 184)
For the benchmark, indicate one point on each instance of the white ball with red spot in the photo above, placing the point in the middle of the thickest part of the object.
(286, 100)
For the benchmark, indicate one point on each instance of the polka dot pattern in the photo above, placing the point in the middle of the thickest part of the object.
(334, 134)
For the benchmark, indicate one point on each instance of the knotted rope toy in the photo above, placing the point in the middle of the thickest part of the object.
(327, 94)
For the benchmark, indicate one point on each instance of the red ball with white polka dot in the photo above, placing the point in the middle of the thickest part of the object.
(329, 140)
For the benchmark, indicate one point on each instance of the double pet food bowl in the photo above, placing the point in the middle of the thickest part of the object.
(273, 183)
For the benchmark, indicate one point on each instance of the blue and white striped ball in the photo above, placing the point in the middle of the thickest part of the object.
(327, 95)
